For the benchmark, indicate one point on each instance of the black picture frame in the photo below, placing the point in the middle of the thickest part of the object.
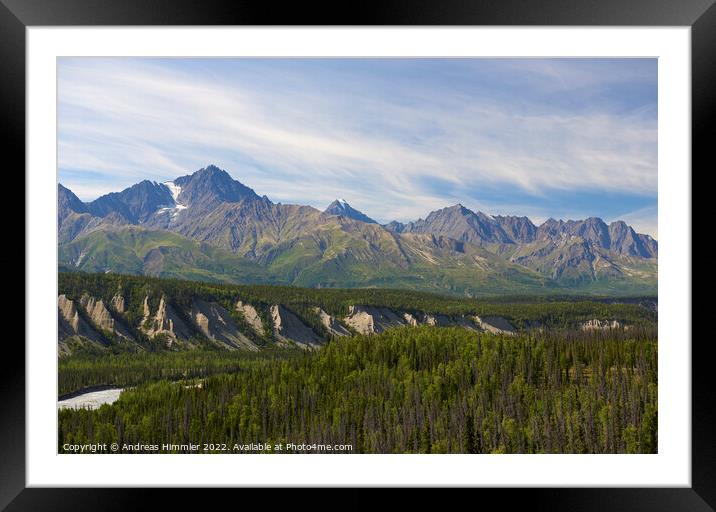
(700, 15)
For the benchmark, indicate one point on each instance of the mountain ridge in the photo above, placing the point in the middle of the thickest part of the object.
(134, 313)
(453, 247)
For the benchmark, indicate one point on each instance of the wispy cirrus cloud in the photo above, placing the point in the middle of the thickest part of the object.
(395, 138)
(645, 218)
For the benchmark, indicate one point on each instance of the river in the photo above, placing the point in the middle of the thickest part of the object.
(90, 399)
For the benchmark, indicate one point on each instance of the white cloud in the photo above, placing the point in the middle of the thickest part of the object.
(145, 121)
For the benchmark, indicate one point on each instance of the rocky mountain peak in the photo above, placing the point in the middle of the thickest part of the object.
(134, 203)
(592, 229)
(462, 224)
(211, 185)
(626, 241)
(458, 209)
(341, 207)
(67, 203)
(395, 226)
(519, 229)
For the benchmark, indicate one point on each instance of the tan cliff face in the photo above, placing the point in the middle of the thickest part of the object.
(466, 322)
(209, 320)
(332, 325)
(190, 322)
(410, 320)
(216, 324)
(371, 320)
(100, 316)
(71, 322)
(145, 310)
(118, 303)
(435, 320)
(69, 312)
(360, 320)
(494, 324)
(164, 321)
(600, 324)
(288, 328)
(251, 316)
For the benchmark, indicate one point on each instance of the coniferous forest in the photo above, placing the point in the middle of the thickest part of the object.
(406, 390)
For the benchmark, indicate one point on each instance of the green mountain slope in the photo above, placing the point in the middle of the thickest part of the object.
(134, 250)
(333, 257)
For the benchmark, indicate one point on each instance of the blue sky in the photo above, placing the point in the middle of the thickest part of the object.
(397, 138)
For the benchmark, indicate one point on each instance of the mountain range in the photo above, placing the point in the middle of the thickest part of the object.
(208, 226)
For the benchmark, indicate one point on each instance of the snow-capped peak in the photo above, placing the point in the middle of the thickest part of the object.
(174, 190)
